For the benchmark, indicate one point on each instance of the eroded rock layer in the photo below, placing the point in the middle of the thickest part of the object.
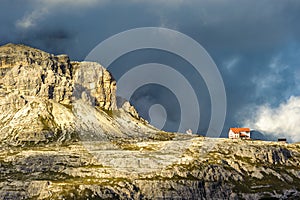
(39, 91)
(62, 136)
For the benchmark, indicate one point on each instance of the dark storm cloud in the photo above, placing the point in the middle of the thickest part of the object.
(255, 44)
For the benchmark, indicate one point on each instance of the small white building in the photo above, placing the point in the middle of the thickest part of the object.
(189, 132)
(236, 133)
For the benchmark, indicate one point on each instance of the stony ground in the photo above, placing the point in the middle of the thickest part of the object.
(184, 167)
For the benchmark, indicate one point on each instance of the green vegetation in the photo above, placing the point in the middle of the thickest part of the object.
(163, 136)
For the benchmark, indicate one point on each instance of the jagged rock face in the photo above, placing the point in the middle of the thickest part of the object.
(46, 100)
(124, 104)
(27, 72)
(95, 85)
(33, 84)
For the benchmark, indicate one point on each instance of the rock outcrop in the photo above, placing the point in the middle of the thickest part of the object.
(174, 169)
(40, 97)
(27, 72)
(64, 135)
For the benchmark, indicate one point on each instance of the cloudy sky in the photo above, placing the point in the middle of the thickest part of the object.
(254, 43)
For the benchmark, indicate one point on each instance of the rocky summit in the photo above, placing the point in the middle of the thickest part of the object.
(65, 135)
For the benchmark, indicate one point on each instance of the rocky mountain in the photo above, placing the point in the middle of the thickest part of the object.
(44, 98)
(65, 135)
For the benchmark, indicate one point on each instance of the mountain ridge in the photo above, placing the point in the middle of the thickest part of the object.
(35, 86)
(64, 135)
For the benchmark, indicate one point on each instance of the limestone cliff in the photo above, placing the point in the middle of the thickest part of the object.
(63, 135)
(38, 92)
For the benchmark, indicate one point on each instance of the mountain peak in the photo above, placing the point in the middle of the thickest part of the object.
(34, 85)
(11, 48)
(62, 136)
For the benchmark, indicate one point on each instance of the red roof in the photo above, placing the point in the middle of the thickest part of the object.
(238, 130)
